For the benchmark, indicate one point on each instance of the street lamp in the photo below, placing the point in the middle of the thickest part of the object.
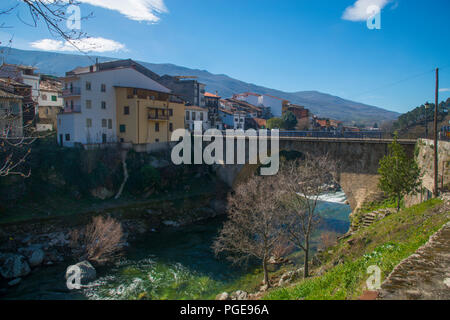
(427, 105)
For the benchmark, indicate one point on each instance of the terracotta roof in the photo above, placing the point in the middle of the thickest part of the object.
(50, 85)
(226, 111)
(8, 95)
(211, 95)
(246, 94)
(197, 108)
(260, 122)
(245, 104)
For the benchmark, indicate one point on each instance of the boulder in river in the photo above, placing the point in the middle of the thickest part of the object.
(86, 271)
(13, 266)
(34, 254)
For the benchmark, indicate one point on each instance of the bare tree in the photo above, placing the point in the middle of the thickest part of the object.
(17, 136)
(51, 13)
(101, 241)
(254, 228)
(302, 183)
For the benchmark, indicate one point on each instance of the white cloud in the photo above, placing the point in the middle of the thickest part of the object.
(444, 90)
(138, 10)
(358, 11)
(86, 44)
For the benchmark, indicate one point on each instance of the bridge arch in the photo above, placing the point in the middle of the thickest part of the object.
(358, 161)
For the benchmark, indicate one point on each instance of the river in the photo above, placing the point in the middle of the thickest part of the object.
(173, 264)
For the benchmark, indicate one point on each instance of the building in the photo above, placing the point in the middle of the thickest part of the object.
(11, 123)
(187, 88)
(273, 103)
(22, 74)
(251, 110)
(303, 116)
(50, 103)
(91, 102)
(147, 116)
(24, 91)
(322, 124)
(255, 123)
(212, 102)
(239, 120)
(194, 114)
(227, 118)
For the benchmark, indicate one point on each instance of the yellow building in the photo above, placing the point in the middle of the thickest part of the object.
(147, 116)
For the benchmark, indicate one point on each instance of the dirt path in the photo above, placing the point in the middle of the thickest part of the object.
(423, 276)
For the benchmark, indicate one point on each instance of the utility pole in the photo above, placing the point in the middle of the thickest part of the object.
(436, 169)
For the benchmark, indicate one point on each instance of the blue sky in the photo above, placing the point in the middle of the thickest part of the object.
(290, 45)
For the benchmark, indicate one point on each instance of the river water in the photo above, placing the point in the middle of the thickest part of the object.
(173, 264)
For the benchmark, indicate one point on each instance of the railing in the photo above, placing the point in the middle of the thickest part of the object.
(158, 117)
(74, 91)
(363, 135)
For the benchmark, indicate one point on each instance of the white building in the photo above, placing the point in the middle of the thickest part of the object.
(263, 100)
(89, 115)
(23, 74)
(195, 114)
(239, 120)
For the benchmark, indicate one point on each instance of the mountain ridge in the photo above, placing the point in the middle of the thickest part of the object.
(321, 104)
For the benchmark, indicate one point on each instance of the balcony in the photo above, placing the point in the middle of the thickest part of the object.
(74, 91)
(72, 109)
(158, 117)
(157, 114)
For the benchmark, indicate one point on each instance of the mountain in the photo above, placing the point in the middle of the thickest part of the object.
(321, 104)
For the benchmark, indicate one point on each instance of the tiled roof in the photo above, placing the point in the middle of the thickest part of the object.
(226, 111)
(49, 85)
(260, 122)
(211, 95)
(196, 108)
(8, 95)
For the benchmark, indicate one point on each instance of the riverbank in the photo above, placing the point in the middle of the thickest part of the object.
(343, 272)
(169, 263)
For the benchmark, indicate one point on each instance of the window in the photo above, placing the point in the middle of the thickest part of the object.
(44, 97)
(193, 116)
(156, 140)
(103, 88)
(187, 115)
(67, 137)
(126, 110)
(157, 127)
(171, 127)
(88, 86)
(88, 123)
(54, 98)
(104, 139)
(170, 112)
(103, 105)
(88, 104)
(109, 123)
(122, 128)
(104, 123)
(201, 116)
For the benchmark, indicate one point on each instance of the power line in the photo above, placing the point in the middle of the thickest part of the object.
(397, 82)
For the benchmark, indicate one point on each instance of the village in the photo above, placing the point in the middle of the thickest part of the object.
(123, 102)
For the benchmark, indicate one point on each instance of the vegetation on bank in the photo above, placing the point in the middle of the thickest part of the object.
(386, 243)
(66, 181)
(416, 118)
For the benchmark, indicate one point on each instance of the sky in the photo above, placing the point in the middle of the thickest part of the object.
(289, 45)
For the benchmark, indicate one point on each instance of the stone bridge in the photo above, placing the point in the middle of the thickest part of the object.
(358, 160)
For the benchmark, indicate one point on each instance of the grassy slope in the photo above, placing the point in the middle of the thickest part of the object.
(384, 244)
